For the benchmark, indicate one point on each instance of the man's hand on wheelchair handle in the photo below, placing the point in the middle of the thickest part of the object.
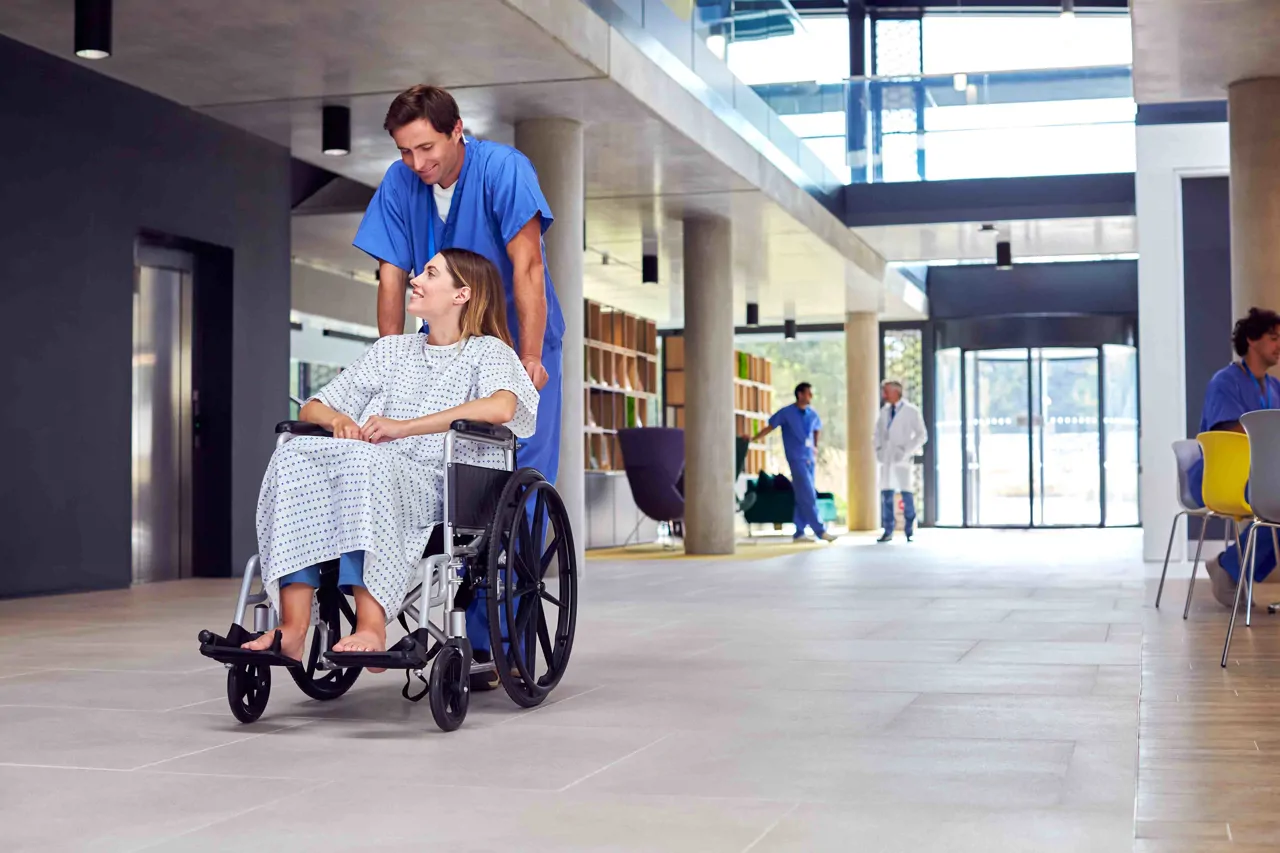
(537, 373)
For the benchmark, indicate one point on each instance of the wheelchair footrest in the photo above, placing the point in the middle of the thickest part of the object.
(410, 653)
(227, 649)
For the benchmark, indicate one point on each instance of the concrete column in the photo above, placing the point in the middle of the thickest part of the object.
(862, 377)
(1254, 120)
(555, 148)
(709, 369)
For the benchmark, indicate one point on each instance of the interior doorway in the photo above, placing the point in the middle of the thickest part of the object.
(163, 412)
(1037, 437)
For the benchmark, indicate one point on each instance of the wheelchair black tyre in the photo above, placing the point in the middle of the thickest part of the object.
(449, 689)
(326, 684)
(517, 595)
(248, 689)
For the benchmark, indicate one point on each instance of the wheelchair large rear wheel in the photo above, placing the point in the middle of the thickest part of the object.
(532, 612)
(339, 618)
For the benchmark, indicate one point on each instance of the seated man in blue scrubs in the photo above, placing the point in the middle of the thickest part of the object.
(1240, 387)
(801, 428)
(450, 191)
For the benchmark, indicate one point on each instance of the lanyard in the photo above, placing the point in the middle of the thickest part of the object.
(1264, 389)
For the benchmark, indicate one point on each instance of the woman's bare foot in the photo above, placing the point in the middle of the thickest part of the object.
(291, 641)
(364, 640)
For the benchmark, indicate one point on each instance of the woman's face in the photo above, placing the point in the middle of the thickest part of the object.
(434, 293)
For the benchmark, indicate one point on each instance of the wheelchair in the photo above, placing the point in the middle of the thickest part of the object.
(505, 537)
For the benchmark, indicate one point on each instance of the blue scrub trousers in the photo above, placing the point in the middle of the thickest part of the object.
(350, 573)
(887, 516)
(806, 495)
(1230, 559)
(540, 451)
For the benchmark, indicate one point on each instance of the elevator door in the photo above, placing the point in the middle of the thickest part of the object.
(162, 415)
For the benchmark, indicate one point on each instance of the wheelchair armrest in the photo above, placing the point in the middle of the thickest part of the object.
(481, 431)
(300, 428)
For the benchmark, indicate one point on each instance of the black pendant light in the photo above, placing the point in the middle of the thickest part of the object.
(335, 130)
(753, 314)
(93, 29)
(649, 269)
(1004, 255)
(789, 328)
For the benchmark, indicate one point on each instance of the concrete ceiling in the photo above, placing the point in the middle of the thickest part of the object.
(268, 67)
(1191, 50)
(1039, 238)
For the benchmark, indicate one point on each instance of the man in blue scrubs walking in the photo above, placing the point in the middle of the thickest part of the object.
(801, 428)
(453, 191)
(1240, 387)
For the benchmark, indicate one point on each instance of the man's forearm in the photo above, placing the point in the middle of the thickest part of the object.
(531, 308)
(392, 282)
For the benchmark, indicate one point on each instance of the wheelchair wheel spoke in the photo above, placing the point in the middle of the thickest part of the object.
(546, 596)
(544, 640)
(547, 557)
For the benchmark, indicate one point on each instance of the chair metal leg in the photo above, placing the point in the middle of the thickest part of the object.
(1253, 563)
(1173, 531)
(1231, 626)
(1204, 525)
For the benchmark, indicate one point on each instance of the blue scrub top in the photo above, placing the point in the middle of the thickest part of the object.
(1233, 392)
(496, 195)
(798, 426)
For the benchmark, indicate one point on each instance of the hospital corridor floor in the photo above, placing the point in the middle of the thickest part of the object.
(972, 691)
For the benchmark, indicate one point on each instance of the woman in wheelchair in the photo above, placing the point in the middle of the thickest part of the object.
(372, 493)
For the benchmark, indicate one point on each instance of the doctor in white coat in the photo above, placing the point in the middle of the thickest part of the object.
(900, 436)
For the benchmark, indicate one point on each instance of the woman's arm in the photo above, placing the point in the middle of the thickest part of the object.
(315, 412)
(497, 408)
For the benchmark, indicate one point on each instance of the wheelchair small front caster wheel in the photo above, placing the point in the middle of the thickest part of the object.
(248, 689)
(449, 688)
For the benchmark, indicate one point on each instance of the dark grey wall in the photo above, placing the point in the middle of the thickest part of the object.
(1097, 287)
(1206, 286)
(86, 164)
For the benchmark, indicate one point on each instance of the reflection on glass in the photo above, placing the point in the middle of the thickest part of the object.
(1120, 426)
(998, 438)
(948, 446)
(1065, 436)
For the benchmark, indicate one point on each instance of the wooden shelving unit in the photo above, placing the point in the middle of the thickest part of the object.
(752, 395)
(621, 388)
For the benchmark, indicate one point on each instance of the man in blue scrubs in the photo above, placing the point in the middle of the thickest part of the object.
(1240, 387)
(453, 191)
(801, 427)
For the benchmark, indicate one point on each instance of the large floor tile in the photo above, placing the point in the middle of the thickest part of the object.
(46, 810)
(815, 829)
(1089, 718)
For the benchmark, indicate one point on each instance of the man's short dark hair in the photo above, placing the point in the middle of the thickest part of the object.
(430, 102)
(801, 388)
(1259, 322)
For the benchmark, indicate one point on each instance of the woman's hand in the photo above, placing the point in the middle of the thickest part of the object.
(378, 429)
(344, 427)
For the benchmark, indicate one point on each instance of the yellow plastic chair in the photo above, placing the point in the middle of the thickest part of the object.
(1226, 478)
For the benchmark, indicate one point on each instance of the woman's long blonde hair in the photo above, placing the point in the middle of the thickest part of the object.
(486, 312)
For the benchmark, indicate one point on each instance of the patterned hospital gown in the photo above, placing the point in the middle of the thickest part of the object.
(323, 497)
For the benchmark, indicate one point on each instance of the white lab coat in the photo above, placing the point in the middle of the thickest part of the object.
(897, 444)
